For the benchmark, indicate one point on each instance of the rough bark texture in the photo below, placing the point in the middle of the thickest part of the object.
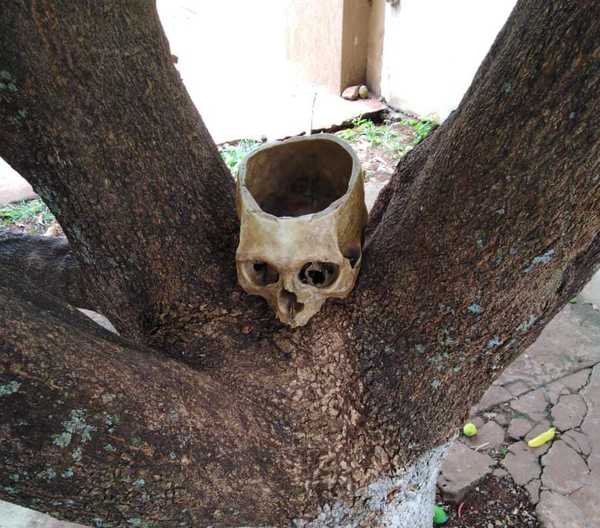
(494, 233)
(402, 500)
(485, 231)
(95, 116)
(96, 427)
(48, 263)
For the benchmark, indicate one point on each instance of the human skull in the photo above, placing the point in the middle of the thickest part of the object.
(302, 212)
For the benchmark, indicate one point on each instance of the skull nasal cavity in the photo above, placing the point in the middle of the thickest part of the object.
(318, 274)
(288, 302)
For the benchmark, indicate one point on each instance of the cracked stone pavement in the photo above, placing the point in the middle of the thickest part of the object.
(556, 382)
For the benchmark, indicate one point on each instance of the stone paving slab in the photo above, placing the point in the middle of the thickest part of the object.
(463, 468)
(591, 293)
(519, 427)
(493, 397)
(578, 441)
(569, 412)
(490, 436)
(568, 344)
(586, 499)
(531, 405)
(533, 488)
(557, 511)
(13, 516)
(522, 463)
(564, 470)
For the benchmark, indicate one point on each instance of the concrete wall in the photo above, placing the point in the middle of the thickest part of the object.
(420, 55)
(375, 45)
(314, 41)
(432, 49)
(355, 42)
(327, 41)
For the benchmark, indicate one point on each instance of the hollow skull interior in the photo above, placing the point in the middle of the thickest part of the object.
(302, 212)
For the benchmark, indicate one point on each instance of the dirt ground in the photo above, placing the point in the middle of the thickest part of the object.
(494, 503)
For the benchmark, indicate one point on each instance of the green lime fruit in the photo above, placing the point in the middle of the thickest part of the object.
(470, 429)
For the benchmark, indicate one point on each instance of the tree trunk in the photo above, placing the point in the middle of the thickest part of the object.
(485, 231)
(99, 123)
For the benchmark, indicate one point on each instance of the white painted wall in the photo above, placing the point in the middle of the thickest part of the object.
(432, 49)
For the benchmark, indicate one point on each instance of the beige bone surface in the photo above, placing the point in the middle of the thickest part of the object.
(302, 212)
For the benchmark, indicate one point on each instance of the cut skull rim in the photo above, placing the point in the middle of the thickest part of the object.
(248, 195)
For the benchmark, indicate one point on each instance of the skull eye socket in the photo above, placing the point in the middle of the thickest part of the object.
(319, 274)
(261, 273)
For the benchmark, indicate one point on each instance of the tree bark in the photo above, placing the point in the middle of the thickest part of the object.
(96, 118)
(486, 230)
(96, 427)
(495, 232)
(48, 263)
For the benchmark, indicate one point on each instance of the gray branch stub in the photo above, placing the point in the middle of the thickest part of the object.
(403, 501)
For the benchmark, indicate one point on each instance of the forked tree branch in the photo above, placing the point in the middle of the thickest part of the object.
(94, 115)
(474, 253)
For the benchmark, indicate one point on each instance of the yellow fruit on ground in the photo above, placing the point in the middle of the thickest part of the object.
(541, 439)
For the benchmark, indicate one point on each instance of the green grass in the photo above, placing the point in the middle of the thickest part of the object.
(385, 136)
(233, 154)
(376, 135)
(29, 211)
(422, 127)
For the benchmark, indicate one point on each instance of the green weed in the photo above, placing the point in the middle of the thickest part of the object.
(233, 154)
(376, 135)
(422, 127)
(29, 211)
